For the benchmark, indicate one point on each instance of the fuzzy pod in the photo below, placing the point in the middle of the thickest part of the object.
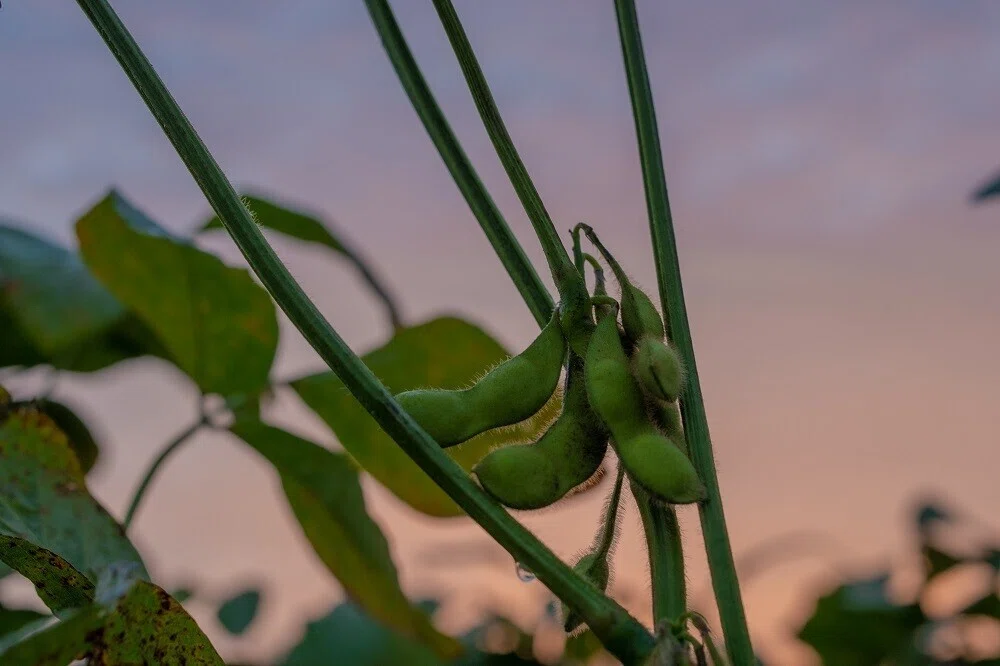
(639, 316)
(652, 460)
(509, 393)
(533, 476)
(661, 468)
(658, 368)
(667, 418)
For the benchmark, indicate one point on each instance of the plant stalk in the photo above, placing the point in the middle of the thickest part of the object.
(666, 557)
(151, 473)
(713, 522)
(622, 634)
(462, 172)
(555, 251)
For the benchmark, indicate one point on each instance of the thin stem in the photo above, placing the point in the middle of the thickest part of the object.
(369, 275)
(666, 557)
(621, 634)
(151, 473)
(492, 222)
(713, 522)
(609, 519)
(555, 252)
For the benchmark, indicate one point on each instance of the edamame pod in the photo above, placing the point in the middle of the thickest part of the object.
(511, 392)
(533, 476)
(658, 368)
(650, 458)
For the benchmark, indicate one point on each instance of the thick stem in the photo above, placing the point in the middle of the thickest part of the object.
(622, 634)
(666, 557)
(713, 522)
(154, 469)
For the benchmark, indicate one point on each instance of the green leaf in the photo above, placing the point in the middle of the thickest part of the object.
(77, 433)
(857, 625)
(989, 605)
(929, 513)
(218, 325)
(987, 190)
(937, 561)
(442, 353)
(144, 626)
(324, 493)
(582, 647)
(52, 530)
(348, 636)
(50, 293)
(52, 310)
(294, 223)
(13, 619)
(310, 228)
(236, 614)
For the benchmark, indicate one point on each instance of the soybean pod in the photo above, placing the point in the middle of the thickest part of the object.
(510, 393)
(651, 460)
(533, 476)
(655, 362)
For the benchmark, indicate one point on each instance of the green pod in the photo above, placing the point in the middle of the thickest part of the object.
(661, 467)
(658, 368)
(510, 393)
(533, 476)
(639, 316)
(651, 459)
(667, 418)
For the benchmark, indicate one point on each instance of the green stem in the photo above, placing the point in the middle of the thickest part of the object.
(374, 282)
(555, 253)
(605, 539)
(462, 172)
(151, 473)
(622, 634)
(713, 522)
(666, 557)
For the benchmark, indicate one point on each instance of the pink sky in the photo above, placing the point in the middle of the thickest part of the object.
(842, 290)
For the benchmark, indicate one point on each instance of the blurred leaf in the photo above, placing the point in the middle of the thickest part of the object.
(218, 325)
(12, 619)
(987, 190)
(937, 561)
(296, 224)
(182, 594)
(51, 530)
(310, 228)
(857, 625)
(58, 583)
(52, 310)
(988, 605)
(77, 433)
(237, 613)
(991, 556)
(324, 493)
(442, 353)
(582, 647)
(48, 291)
(348, 636)
(929, 513)
(142, 626)
(516, 649)
(15, 347)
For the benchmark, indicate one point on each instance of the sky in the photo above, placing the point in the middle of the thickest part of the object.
(820, 156)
